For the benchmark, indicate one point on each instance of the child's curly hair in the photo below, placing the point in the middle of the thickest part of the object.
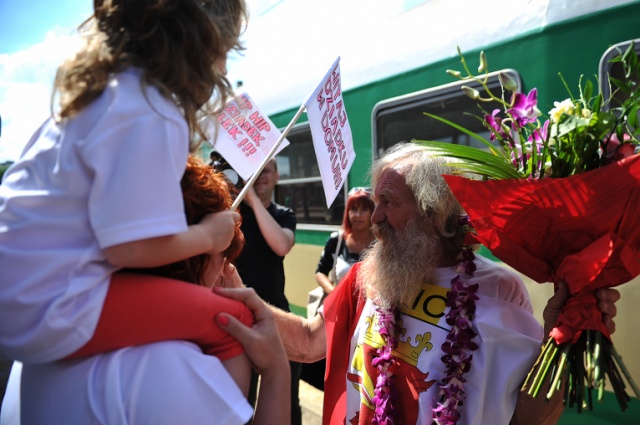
(178, 44)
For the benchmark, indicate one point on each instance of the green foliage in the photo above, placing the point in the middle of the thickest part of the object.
(581, 133)
(3, 168)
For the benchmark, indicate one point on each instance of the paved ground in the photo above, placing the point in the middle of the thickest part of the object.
(311, 404)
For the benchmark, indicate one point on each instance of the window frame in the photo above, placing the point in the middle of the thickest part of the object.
(305, 128)
(430, 95)
(604, 66)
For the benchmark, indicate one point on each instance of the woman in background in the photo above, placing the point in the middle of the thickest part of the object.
(354, 237)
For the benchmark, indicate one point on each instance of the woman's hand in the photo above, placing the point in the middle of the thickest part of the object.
(262, 341)
(263, 346)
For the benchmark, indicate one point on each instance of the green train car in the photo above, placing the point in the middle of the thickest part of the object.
(393, 70)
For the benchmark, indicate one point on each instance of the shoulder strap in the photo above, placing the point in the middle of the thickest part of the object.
(332, 275)
(340, 234)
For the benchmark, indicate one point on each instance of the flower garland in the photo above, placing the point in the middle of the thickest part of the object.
(457, 348)
(384, 394)
(458, 344)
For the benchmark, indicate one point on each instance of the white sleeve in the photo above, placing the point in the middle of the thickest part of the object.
(510, 342)
(137, 165)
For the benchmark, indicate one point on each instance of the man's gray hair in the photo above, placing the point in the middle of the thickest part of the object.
(423, 174)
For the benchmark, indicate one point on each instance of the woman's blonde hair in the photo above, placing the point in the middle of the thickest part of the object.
(178, 44)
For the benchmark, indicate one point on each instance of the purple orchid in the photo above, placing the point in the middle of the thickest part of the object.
(457, 350)
(615, 150)
(495, 125)
(524, 109)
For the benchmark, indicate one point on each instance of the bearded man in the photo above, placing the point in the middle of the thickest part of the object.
(424, 330)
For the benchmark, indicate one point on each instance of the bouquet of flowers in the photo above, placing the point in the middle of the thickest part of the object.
(558, 201)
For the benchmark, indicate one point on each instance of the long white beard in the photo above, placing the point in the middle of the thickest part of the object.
(395, 268)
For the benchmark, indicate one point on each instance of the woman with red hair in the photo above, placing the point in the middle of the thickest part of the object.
(354, 237)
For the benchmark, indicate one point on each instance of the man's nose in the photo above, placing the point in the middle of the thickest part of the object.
(377, 216)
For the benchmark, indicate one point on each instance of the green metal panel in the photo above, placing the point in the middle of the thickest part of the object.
(572, 47)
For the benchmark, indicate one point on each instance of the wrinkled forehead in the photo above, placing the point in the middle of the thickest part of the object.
(392, 182)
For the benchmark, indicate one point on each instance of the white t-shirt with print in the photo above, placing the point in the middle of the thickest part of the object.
(107, 176)
(509, 340)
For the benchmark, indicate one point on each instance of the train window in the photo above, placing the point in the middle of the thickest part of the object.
(300, 186)
(615, 70)
(401, 118)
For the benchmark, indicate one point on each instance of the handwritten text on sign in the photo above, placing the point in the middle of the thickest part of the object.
(331, 133)
(245, 135)
(334, 118)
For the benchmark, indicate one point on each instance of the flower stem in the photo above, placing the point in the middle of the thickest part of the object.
(625, 371)
(548, 354)
(555, 382)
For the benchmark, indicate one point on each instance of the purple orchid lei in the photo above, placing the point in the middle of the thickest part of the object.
(457, 348)
(384, 395)
(458, 345)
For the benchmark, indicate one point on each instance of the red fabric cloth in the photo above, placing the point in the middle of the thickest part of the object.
(140, 309)
(580, 229)
(342, 308)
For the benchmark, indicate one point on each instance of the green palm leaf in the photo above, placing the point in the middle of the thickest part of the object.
(474, 160)
(469, 133)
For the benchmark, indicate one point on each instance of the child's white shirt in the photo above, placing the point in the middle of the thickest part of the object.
(107, 176)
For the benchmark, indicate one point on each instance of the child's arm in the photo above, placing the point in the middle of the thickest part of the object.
(212, 234)
(239, 367)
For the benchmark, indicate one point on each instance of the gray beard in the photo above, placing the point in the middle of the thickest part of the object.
(396, 267)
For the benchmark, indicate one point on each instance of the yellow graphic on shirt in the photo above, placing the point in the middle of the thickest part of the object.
(429, 306)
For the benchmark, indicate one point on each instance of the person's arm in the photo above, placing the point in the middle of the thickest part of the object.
(212, 234)
(239, 367)
(324, 282)
(279, 239)
(305, 340)
(264, 347)
(538, 411)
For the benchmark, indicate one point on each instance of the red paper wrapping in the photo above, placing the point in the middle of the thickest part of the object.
(581, 229)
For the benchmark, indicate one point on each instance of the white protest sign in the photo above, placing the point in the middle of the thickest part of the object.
(245, 135)
(331, 133)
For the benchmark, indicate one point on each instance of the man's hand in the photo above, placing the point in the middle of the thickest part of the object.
(607, 297)
(251, 198)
